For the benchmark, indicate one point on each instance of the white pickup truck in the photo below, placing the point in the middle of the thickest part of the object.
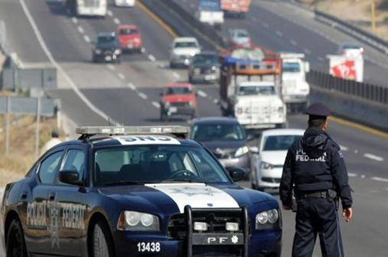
(210, 12)
(294, 88)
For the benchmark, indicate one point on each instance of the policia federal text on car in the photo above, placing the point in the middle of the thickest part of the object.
(315, 171)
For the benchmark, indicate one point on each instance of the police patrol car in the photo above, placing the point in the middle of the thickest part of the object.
(136, 191)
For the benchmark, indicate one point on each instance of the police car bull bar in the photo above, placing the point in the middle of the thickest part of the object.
(238, 238)
(88, 131)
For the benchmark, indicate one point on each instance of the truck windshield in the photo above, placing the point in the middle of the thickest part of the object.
(256, 90)
(209, 5)
(147, 163)
(291, 67)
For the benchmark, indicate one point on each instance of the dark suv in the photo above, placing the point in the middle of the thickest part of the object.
(204, 68)
(107, 48)
(226, 138)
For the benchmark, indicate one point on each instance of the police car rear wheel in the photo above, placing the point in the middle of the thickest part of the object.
(101, 246)
(16, 246)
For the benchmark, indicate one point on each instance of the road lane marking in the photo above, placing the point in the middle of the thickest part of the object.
(59, 68)
(176, 75)
(156, 104)
(320, 58)
(151, 57)
(201, 93)
(142, 95)
(131, 86)
(110, 13)
(87, 39)
(307, 51)
(293, 43)
(80, 29)
(157, 19)
(117, 21)
(374, 157)
(279, 33)
(111, 67)
(379, 179)
(352, 174)
(74, 20)
(121, 76)
(344, 148)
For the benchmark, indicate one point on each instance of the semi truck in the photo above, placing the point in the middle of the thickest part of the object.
(249, 88)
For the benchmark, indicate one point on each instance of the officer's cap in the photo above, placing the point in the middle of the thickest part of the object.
(318, 111)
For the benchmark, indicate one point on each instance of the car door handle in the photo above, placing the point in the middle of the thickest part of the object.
(51, 196)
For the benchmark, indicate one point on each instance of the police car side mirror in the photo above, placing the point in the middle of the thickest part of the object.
(236, 173)
(70, 177)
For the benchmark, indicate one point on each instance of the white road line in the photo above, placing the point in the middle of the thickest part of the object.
(87, 38)
(131, 86)
(216, 101)
(352, 174)
(151, 57)
(279, 33)
(307, 51)
(265, 25)
(293, 43)
(201, 93)
(379, 179)
(74, 20)
(157, 105)
(110, 13)
(142, 95)
(59, 68)
(374, 157)
(80, 29)
(111, 67)
(117, 21)
(320, 58)
(176, 75)
(121, 76)
(344, 148)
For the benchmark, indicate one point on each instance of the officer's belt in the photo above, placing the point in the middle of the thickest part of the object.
(321, 194)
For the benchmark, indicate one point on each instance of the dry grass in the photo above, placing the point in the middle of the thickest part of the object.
(22, 138)
(357, 12)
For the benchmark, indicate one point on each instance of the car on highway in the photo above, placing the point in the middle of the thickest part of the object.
(267, 158)
(178, 99)
(136, 191)
(240, 37)
(204, 67)
(125, 3)
(351, 50)
(182, 50)
(130, 38)
(225, 138)
(106, 48)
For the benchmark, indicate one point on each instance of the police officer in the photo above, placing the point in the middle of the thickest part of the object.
(315, 174)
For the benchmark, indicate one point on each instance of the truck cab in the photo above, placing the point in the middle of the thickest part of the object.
(210, 12)
(294, 88)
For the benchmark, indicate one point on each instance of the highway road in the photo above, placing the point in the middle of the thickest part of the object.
(101, 94)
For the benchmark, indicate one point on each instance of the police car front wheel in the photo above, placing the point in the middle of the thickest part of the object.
(16, 246)
(100, 245)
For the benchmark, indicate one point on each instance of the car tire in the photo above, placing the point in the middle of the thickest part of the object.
(16, 246)
(101, 245)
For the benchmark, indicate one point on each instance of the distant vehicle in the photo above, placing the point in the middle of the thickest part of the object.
(106, 48)
(210, 12)
(125, 3)
(268, 157)
(237, 8)
(130, 38)
(240, 37)
(226, 138)
(136, 191)
(178, 99)
(88, 7)
(351, 50)
(204, 67)
(182, 50)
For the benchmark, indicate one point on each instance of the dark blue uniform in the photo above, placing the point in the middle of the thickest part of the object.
(315, 171)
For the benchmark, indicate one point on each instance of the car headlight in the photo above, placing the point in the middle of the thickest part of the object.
(266, 166)
(97, 51)
(138, 221)
(117, 51)
(268, 219)
(241, 151)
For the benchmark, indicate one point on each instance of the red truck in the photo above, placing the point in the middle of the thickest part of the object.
(178, 99)
(130, 38)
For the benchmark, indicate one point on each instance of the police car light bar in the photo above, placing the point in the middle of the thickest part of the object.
(131, 130)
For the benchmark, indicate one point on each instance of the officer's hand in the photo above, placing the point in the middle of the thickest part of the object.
(348, 214)
(286, 207)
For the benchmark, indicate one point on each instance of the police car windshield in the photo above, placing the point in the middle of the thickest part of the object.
(280, 142)
(150, 163)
